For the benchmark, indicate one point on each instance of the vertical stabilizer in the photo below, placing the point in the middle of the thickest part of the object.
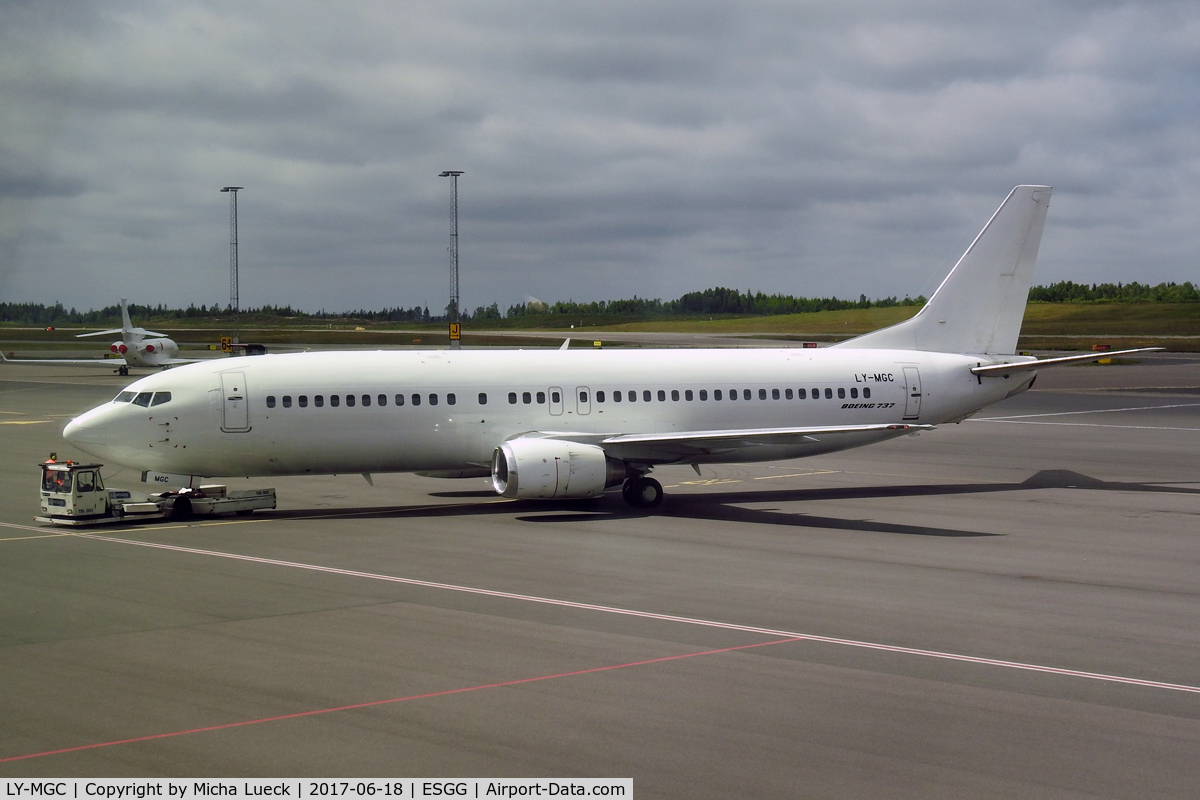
(980, 305)
(126, 324)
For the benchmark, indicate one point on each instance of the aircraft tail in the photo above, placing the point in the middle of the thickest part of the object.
(980, 305)
(126, 323)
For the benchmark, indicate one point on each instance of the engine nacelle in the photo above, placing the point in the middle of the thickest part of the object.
(551, 468)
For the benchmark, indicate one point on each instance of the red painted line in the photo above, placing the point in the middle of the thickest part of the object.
(426, 696)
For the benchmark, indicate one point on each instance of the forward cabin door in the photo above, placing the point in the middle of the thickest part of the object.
(235, 402)
(912, 393)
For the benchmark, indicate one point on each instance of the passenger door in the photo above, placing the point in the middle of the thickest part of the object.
(912, 393)
(235, 402)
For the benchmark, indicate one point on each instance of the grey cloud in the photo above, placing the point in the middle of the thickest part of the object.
(610, 149)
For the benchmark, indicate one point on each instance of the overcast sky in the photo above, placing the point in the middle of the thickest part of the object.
(630, 147)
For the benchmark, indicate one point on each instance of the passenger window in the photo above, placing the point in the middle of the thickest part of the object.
(160, 398)
(687, 395)
(774, 394)
(287, 401)
(675, 395)
(433, 400)
(828, 393)
(270, 401)
(349, 401)
(123, 397)
(866, 393)
(662, 396)
(512, 397)
(451, 399)
(632, 396)
(600, 396)
(143, 399)
(762, 394)
(366, 400)
(382, 399)
(483, 398)
(733, 394)
(853, 393)
(541, 398)
(319, 400)
(617, 396)
(646, 395)
(841, 393)
(399, 399)
(802, 394)
(303, 400)
(334, 400)
(704, 394)
(526, 398)
(416, 399)
(787, 393)
(583, 397)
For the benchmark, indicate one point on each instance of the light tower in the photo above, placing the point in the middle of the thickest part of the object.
(455, 326)
(233, 253)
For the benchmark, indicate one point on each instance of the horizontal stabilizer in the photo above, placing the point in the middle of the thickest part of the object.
(1030, 366)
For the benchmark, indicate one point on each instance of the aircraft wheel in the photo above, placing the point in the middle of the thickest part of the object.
(123, 371)
(642, 492)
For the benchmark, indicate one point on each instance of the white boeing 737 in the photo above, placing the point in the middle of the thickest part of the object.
(571, 423)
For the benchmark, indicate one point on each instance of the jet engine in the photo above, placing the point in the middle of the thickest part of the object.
(551, 468)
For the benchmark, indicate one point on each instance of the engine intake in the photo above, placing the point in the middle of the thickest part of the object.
(552, 468)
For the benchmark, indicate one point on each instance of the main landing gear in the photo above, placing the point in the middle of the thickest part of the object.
(642, 492)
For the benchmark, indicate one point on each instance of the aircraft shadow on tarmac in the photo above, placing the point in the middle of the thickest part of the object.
(730, 506)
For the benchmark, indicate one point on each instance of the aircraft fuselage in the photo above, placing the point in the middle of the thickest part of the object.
(410, 411)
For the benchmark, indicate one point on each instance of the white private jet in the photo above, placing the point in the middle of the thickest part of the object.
(572, 423)
(133, 349)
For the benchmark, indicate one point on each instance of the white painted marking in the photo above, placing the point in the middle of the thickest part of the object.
(1096, 676)
(1096, 411)
(1087, 425)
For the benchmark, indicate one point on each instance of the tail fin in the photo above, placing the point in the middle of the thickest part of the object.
(980, 305)
(126, 325)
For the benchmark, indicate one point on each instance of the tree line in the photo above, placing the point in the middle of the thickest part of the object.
(718, 301)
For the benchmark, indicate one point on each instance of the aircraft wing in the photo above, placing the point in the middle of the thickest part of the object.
(90, 362)
(1027, 366)
(681, 446)
(111, 331)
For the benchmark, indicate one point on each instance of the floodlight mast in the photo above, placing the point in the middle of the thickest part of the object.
(233, 258)
(455, 326)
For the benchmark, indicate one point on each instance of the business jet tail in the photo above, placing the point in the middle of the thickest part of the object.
(980, 305)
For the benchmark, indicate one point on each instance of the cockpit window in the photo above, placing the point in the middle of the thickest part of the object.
(160, 398)
(143, 398)
(124, 397)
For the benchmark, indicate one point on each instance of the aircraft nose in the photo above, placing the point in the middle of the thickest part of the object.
(87, 436)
